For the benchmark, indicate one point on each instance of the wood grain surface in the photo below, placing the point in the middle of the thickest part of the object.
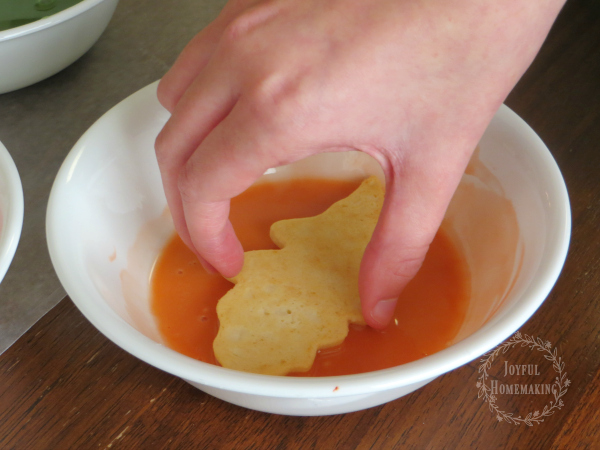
(64, 385)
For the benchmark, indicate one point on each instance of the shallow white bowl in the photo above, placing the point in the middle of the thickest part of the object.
(11, 210)
(32, 52)
(106, 223)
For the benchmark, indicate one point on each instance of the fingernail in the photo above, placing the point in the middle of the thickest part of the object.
(383, 311)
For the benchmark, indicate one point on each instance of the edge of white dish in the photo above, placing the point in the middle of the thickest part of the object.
(11, 222)
(49, 21)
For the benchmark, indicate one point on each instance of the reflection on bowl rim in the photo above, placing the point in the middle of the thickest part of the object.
(496, 330)
(12, 221)
(48, 21)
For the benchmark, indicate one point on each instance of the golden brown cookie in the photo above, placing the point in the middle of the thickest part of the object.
(288, 303)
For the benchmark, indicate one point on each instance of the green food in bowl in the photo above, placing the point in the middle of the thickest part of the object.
(14, 13)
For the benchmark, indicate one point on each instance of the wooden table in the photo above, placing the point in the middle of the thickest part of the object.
(63, 385)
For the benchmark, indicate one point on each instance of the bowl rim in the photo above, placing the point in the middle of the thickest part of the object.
(48, 21)
(491, 334)
(12, 221)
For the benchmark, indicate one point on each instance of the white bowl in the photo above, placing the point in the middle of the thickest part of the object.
(32, 52)
(106, 223)
(11, 210)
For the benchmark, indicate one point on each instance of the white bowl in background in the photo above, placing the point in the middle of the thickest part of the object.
(32, 52)
(106, 223)
(11, 210)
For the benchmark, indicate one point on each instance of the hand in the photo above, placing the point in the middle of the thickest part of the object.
(413, 84)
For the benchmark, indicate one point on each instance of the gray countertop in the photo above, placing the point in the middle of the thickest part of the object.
(40, 124)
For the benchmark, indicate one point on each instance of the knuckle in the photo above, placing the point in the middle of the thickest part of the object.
(408, 264)
(279, 102)
(249, 16)
(186, 183)
(165, 95)
(265, 104)
(275, 92)
(237, 29)
(161, 148)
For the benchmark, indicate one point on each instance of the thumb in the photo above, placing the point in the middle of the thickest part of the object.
(415, 203)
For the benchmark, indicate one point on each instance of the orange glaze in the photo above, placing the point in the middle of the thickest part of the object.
(429, 314)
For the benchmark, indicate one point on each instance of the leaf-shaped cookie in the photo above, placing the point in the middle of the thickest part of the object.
(286, 304)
